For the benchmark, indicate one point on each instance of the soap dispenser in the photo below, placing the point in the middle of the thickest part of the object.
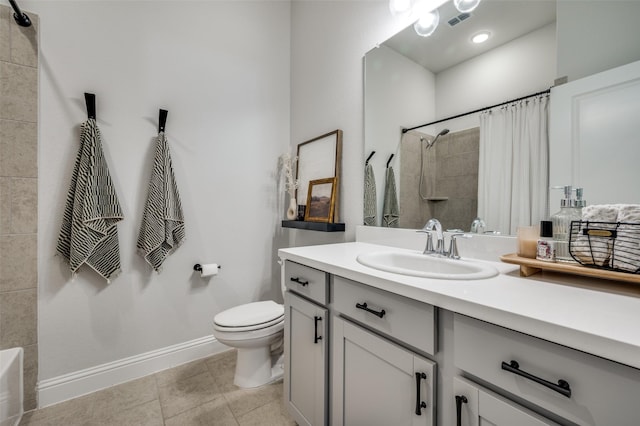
(562, 224)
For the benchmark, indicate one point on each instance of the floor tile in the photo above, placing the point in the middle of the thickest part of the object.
(215, 412)
(147, 414)
(123, 397)
(74, 412)
(272, 414)
(180, 372)
(187, 393)
(241, 401)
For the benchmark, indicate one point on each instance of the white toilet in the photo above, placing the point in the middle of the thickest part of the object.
(254, 329)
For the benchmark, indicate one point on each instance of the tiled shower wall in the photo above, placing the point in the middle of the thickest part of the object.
(451, 172)
(18, 193)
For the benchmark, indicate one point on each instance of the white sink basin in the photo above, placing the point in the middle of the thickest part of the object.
(422, 265)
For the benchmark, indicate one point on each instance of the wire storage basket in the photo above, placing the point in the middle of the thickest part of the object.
(614, 246)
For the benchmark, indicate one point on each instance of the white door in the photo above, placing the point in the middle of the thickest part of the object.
(476, 406)
(305, 378)
(376, 382)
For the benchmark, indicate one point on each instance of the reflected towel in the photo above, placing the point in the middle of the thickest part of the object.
(390, 210)
(626, 250)
(162, 229)
(370, 202)
(89, 234)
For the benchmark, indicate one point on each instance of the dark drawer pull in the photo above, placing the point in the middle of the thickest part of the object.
(419, 404)
(460, 399)
(364, 307)
(299, 281)
(562, 387)
(316, 338)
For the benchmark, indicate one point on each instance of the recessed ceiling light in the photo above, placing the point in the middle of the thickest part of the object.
(481, 37)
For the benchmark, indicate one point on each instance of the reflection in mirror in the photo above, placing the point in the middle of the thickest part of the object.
(411, 80)
(408, 84)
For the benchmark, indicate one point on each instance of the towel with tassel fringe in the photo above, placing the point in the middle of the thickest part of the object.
(390, 210)
(370, 203)
(162, 229)
(89, 234)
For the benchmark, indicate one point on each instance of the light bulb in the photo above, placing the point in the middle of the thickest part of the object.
(427, 24)
(399, 6)
(480, 37)
(466, 6)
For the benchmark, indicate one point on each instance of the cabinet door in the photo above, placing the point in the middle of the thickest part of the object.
(376, 382)
(305, 375)
(476, 406)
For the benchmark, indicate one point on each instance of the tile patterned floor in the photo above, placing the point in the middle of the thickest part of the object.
(198, 393)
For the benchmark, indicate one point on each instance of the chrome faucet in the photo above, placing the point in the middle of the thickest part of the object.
(433, 224)
(453, 245)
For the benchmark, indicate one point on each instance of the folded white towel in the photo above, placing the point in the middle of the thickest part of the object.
(591, 249)
(626, 254)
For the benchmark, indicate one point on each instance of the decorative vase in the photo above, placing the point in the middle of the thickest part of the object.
(292, 211)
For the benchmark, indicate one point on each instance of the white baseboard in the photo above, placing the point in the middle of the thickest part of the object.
(78, 383)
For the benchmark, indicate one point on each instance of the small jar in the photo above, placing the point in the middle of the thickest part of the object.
(546, 248)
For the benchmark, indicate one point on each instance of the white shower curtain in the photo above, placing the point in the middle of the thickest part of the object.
(513, 170)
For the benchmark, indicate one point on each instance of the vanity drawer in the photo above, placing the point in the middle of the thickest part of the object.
(602, 392)
(403, 319)
(306, 281)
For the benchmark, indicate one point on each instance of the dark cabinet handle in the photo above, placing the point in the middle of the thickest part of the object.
(419, 403)
(316, 338)
(364, 307)
(299, 281)
(562, 387)
(460, 399)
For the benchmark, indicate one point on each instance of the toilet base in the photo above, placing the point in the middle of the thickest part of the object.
(255, 367)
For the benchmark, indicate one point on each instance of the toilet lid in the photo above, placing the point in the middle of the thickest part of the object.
(251, 314)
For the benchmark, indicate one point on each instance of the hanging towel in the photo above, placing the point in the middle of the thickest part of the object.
(162, 228)
(89, 234)
(390, 211)
(370, 203)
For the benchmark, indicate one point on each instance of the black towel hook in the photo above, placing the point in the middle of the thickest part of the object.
(389, 161)
(162, 120)
(369, 158)
(90, 100)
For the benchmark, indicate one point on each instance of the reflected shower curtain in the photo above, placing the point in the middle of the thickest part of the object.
(513, 173)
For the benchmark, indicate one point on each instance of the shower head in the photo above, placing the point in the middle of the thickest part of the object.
(442, 133)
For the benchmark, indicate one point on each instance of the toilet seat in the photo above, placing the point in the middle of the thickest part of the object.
(248, 317)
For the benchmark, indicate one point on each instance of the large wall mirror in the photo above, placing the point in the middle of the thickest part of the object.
(412, 80)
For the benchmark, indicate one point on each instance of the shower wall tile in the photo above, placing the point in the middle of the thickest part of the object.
(5, 47)
(18, 262)
(18, 149)
(18, 324)
(18, 92)
(24, 43)
(5, 205)
(24, 202)
(30, 376)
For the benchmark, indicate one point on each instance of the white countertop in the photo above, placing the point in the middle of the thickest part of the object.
(600, 317)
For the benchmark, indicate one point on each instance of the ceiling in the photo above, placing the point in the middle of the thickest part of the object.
(451, 45)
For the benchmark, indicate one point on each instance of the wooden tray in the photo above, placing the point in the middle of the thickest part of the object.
(533, 266)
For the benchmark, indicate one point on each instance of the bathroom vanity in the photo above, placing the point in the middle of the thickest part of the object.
(364, 346)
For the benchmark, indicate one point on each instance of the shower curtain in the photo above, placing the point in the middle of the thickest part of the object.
(513, 172)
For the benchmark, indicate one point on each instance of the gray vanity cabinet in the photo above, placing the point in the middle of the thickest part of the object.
(376, 382)
(306, 336)
(476, 406)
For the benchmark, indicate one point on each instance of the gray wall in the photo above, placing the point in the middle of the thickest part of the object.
(18, 192)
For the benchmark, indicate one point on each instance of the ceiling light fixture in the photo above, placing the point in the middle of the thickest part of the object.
(399, 6)
(427, 23)
(481, 37)
(466, 6)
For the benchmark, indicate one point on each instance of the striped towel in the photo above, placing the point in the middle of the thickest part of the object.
(390, 211)
(89, 234)
(162, 228)
(370, 203)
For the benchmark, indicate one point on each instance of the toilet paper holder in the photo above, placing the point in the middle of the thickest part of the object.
(198, 267)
